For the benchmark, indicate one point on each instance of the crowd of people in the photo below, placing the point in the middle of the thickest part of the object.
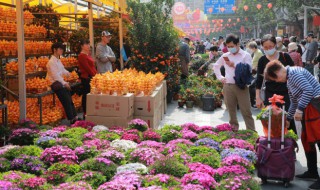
(284, 66)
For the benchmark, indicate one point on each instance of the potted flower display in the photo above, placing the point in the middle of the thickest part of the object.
(276, 116)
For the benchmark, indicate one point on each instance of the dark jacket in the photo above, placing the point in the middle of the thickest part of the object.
(243, 75)
(312, 51)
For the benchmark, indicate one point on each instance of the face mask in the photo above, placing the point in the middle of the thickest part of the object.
(232, 50)
(270, 51)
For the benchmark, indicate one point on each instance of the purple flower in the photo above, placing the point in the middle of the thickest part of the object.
(199, 167)
(152, 144)
(34, 182)
(206, 128)
(192, 187)
(90, 136)
(7, 185)
(138, 124)
(191, 126)
(113, 155)
(146, 156)
(207, 142)
(104, 160)
(224, 127)
(60, 128)
(151, 188)
(188, 134)
(79, 185)
(203, 179)
(57, 154)
(98, 143)
(247, 154)
(50, 133)
(224, 171)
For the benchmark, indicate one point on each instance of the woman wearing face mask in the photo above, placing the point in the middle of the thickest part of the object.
(269, 46)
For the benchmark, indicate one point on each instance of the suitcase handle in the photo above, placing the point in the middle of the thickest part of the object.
(282, 127)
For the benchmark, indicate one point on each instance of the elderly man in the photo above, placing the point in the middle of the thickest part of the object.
(280, 46)
(104, 55)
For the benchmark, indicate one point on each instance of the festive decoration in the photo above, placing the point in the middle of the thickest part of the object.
(269, 5)
(245, 8)
(259, 6)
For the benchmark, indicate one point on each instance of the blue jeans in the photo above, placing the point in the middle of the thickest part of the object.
(310, 67)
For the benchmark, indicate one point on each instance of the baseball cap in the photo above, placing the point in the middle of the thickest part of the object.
(105, 33)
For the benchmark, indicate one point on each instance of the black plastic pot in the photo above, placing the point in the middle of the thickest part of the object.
(169, 96)
(208, 103)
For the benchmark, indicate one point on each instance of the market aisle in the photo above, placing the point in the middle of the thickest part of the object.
(178, 116)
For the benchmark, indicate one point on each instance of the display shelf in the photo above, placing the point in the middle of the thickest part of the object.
(14, 38)
(33, 55)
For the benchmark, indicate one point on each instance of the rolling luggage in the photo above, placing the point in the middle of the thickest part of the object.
(276, 156)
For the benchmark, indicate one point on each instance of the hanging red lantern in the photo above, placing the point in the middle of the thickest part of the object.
(210, 10)
(269, 5)
(245, 7)
(229, 20)
(259, 6)
(222, 9)
(221, 20)
(238, 19)
(234, 8)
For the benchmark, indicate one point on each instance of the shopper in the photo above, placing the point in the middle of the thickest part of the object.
(295, 56)
(61, 88)
(311, 53)
(280, 46)
(200, 49)
(304, 93)
(104, 54)
(304, 51)
(87, 70)
(232, 93)
(184, 56)
(213, 57)
(257, 54)
(269, 45)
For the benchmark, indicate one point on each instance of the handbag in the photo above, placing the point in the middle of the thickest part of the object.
(56, 86)
(263, 90)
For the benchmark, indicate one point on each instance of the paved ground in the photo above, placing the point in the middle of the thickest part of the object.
(177, 115)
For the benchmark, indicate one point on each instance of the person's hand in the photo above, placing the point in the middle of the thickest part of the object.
(230, 63)
(223, 80)
(259, 103)
(298, 116)
(67, 86)
(287, 124)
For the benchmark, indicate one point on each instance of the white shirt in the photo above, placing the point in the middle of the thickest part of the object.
(304, 53)
(56, 70)
(241, 56)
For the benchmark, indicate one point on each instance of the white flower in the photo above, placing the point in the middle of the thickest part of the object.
(98, 128)
(133, 167)
(124, 145)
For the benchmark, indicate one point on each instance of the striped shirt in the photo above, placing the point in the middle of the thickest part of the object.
(302, 87)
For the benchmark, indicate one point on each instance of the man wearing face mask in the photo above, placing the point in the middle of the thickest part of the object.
(232, 93)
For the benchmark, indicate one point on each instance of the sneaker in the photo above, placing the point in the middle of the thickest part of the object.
(315, 185)
(308, 176)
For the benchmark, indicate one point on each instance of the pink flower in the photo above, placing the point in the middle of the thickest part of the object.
(34, 182)
(201, 178)
(224, 127)
(57, 154)
(146, 156)
(98, 143)
(237, 143)
(191, 126)
(131, 137)
(152, 144)
(199, 167)
(188, 134)
(151, 135)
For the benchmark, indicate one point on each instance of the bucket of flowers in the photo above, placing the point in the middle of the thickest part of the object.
(276, 116)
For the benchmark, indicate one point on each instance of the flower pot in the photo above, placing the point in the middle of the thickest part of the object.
(276, 122)
(208, 103)
(189, 104)
(176, 96)
(169, 96)
(180, 103)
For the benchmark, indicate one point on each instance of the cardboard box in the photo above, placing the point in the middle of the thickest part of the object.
(109, 121)
(147, 105)
(162, 111)
(110, 106)
(161, 92)
(165, 91)
(153, 121)
(165, 105)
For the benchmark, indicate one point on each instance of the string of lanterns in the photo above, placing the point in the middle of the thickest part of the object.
(245, 7)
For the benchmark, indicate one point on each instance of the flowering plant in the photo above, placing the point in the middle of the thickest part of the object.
(146, 156)
(248, 135)
(8, 185)
(23, 136)
(50, 133)
(151, 135)
(95, 179)
(27, 123)
(89, 136)
(211, 158)
(60, 128)
(56, 177)
(69, 142)
(223, 127)
(4, 165)
(33, 183)
(98, 143)
(116, 129)
(153, 187)
(4, 149)
(132, 167)
(152, 144)
(170, 134)
(195, 150)
(188, 134)
(237, 143)
(131, 137)
(85, 152)
(15, 176)
(224, 135)
(74, 133)
(103, 165)
(29, 164)
(98, 128)
(163, 180)
(114, 185)
(57, 154)
(199, 167)
(46, 142)
(191, 126)
(203, 179)
(66, 167)
(225, 171)
(207, 142)
(206, 128)
(176, 145)
(238, 160)
(26, 150)
(123, 145)
(238, 182)
(170, 166)
(247, 154)
(84, 124)
(79, 185)
(138, 124)
(107, 135)
(113, 155)
(127, 181)
(192, 187)
(181, 156)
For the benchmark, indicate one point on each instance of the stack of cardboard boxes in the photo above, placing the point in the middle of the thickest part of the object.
(119, 110)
